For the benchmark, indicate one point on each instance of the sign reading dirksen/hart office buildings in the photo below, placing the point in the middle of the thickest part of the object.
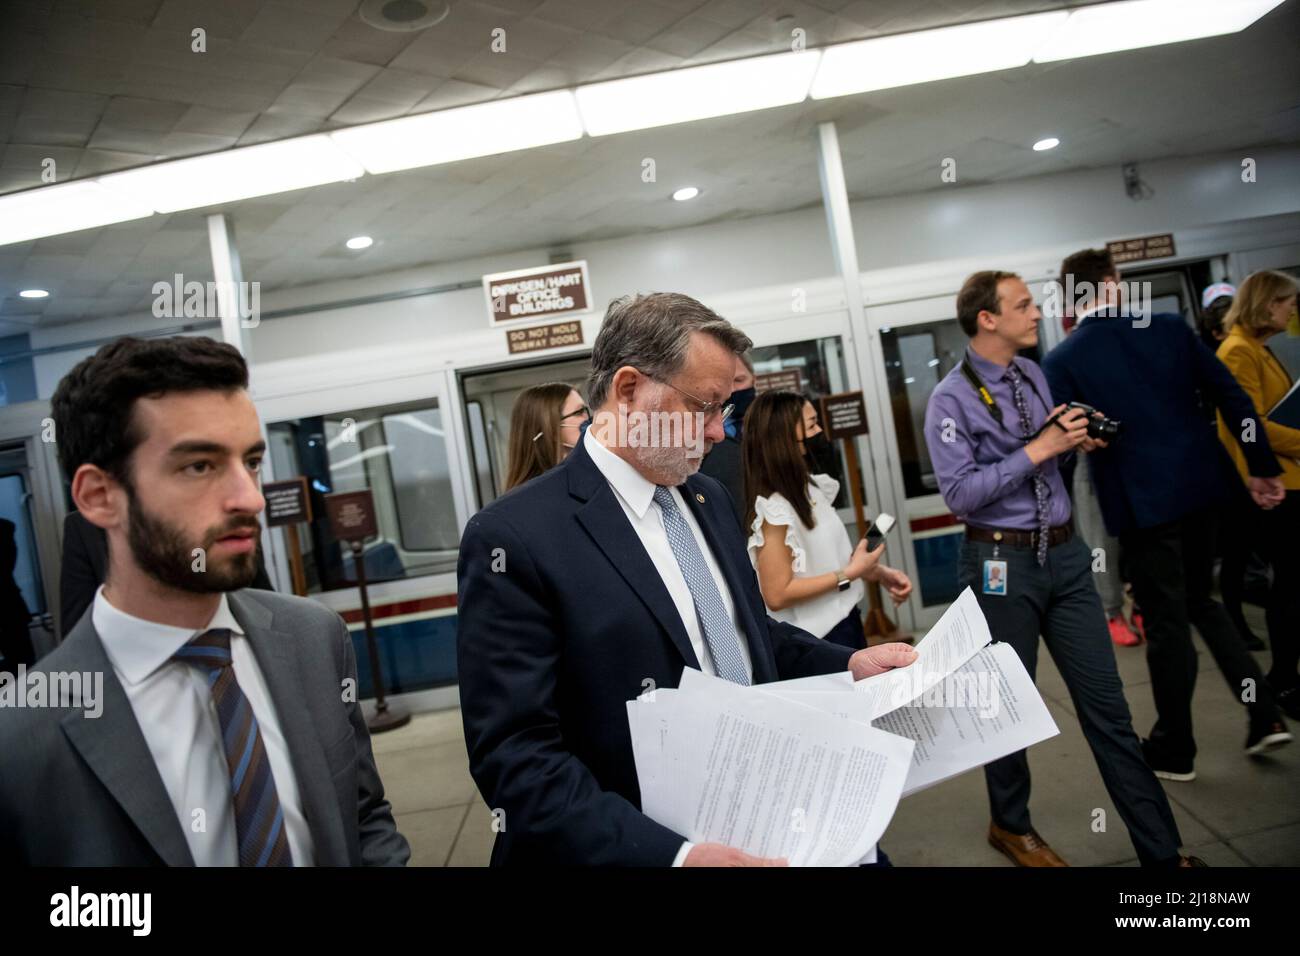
(541, 293)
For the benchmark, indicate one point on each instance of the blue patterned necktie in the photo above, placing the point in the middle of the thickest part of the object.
(259, 818)
(1016, 379)
(719, 630)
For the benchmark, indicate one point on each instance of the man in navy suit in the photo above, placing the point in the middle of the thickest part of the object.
(1162, 486)
(607, 576)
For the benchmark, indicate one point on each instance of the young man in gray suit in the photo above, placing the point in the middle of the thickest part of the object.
(214, 724)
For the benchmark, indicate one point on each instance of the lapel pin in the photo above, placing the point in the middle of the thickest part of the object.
(699, 498)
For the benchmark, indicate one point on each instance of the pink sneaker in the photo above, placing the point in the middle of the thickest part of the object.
(1120, 632)
(1138, 627)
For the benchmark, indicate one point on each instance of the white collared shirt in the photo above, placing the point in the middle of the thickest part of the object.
(635, 495)
(176, 714)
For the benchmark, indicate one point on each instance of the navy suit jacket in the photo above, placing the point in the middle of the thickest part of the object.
(563, 619)
(1167, 461)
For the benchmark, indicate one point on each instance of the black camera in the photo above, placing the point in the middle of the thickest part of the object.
(1103, 428)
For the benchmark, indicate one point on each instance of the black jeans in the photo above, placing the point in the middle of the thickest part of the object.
(1278, 534)
(1059, 600)
(1172, 567)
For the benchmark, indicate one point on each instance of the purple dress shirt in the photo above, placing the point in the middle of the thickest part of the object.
(983, 471)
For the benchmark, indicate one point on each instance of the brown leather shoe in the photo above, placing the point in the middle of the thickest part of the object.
(1189, 861)
(1027, 850)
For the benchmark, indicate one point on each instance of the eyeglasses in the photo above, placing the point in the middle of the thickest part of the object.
(584, 411)
(707, 409)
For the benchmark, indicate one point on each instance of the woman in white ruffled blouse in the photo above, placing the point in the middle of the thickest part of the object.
(808, 569)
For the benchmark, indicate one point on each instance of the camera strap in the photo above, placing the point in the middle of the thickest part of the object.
(986, 397)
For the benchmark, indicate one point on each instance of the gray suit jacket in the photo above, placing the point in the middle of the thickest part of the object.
(84, 791)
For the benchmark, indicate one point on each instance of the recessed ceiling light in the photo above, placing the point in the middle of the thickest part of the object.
(686, 192)
(360, 242)
(1050, 143)
(33, 293)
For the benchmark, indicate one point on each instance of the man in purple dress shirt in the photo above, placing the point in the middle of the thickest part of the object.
(1030, 572)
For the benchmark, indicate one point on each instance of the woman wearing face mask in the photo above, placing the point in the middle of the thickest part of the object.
(1265, 304)
(545, 423)
(809, 571)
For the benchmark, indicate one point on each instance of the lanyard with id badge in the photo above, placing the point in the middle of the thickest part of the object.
(995, 571)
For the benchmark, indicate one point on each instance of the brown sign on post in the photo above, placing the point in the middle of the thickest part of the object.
(786, 380)
(352, 515)
(1145, 247)
(844, 415)
(554, 336)
(287, 502)
(561, 289)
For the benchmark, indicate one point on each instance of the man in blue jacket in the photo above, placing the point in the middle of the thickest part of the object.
(1163, 484)
(605, 577)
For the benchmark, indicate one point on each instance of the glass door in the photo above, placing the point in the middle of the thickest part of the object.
(919, 342)
(820, 348)
(489, 397)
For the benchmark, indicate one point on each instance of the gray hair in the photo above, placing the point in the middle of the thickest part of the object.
(652, 333)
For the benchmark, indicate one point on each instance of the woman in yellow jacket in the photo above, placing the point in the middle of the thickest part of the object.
(1265, 303)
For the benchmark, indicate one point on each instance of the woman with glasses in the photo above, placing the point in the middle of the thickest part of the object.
(545, 423)
(808, 569)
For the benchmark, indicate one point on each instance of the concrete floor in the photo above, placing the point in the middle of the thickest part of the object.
(1240, 811)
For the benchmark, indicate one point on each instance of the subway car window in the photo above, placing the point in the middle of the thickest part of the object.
(400, 454)
(15, 508)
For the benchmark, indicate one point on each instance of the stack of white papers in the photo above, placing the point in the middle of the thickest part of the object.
(811, 770)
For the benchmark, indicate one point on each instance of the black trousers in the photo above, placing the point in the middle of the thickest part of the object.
(1237, 539)
(1060, 602)
(1279, 542)
(1172, 567)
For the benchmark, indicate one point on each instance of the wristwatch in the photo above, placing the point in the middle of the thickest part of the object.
(842, 583)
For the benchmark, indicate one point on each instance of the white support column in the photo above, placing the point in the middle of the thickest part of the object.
(229, 277)
(887, 494)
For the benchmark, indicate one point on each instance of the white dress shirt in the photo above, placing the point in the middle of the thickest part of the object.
(635, 495)
(176, 714)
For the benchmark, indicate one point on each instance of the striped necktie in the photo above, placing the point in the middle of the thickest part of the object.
(719, 630)
(259, 819)
(1039, 480)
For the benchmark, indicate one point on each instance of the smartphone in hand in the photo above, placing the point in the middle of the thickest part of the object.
(879, 528)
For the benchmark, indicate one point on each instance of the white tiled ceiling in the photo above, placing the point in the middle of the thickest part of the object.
(107, 85)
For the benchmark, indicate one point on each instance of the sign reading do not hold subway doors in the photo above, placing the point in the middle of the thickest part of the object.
(541, 293)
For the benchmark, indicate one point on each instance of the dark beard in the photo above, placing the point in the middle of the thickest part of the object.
(161, 551)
